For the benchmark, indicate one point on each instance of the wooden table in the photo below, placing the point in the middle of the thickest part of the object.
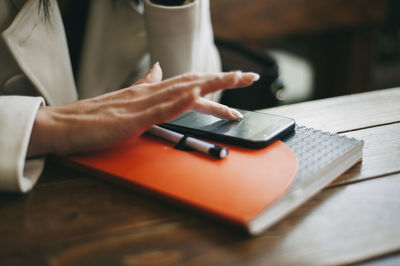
(71, 218)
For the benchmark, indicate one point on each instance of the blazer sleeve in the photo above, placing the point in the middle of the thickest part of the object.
(17, 116)
(181, 37)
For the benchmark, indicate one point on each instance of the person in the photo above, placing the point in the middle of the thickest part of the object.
(42, 111)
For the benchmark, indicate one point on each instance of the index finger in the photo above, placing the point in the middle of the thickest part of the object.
(238, 78)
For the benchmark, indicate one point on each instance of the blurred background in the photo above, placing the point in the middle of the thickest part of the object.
(323, 48)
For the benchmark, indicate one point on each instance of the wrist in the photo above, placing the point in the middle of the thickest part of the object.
(41, 134)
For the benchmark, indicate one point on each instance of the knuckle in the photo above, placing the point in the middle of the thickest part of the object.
(235, 77)
(220, 77)
(222, 107)
(190, 96)
(133, 90)
(191, 76)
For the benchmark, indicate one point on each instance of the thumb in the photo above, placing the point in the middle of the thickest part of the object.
(154, 75)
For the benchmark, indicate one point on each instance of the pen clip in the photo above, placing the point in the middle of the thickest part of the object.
(181, 145)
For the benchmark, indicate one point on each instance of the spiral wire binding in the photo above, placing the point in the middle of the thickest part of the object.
(315, 149)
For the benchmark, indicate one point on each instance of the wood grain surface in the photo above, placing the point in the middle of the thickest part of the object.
(346, 113)
(91, 222)
(71, 218)
(381, 154)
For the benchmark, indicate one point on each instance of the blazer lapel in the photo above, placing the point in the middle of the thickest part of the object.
(40, 48)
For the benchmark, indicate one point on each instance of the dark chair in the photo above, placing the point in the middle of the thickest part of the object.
(262, 94)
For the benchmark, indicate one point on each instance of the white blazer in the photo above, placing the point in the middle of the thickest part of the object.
(35, 67)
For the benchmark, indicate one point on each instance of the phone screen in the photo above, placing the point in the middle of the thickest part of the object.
(255, 129)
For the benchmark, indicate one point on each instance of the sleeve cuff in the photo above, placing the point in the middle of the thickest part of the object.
(17, 116)
(181, 39)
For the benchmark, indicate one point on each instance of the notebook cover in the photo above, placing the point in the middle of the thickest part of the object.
(236, 188)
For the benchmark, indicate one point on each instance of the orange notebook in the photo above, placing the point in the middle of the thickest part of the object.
(238, 188)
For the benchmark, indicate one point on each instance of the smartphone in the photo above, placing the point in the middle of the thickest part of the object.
(255, 130)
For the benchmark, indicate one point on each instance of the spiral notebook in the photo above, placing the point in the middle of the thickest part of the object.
(322, 158)
(250, 188)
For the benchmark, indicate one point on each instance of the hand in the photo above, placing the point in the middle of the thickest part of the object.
(101, 121)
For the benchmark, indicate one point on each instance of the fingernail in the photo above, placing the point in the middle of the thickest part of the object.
(236, 114)
(254, 76)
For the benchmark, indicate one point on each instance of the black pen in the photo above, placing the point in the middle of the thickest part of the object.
(196, 144)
